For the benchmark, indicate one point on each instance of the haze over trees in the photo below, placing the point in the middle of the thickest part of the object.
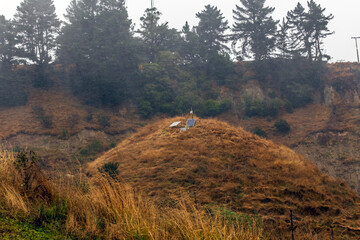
(107, 62)
(36, 27)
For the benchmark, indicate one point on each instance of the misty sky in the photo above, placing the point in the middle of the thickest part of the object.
(340, 45)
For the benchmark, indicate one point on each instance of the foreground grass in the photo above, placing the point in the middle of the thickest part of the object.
(100, 208)
(15, 229)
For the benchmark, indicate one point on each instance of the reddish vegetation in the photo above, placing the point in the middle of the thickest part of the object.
(230, 167)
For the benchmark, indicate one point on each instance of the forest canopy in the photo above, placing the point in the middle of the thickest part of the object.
(107, 62)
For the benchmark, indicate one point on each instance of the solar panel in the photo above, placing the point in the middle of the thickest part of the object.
(190, 122)
(175, 124)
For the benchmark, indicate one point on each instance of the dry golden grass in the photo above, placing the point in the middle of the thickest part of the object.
(107, 209)
(124, 214)
(232, 168)
(10, 185)
(61, 106)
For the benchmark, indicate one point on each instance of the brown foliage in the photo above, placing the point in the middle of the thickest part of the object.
(230, 167)
(106, 209)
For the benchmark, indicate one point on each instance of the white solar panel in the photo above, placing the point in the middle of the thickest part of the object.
(175, 124)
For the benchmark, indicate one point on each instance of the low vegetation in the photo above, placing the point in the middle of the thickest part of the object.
(282, 126)
(218, 164)
(45, 119)
(100, 207)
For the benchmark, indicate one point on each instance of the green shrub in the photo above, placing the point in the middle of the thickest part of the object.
(96, 146)
(258, 131)
(45, 120)
(282, 126)
(26, 163)
(104, 121)
(288, 107)
(110, 168)
(260, 108)
(85, 151)
(89, 117)
(212, 108)
(12, 91)
(145, 109)
(74, 120)
(92, 149)
(64, 133)
(141, 124)
(56, 213)
(299, 95)
(112, 144)
(17, 149)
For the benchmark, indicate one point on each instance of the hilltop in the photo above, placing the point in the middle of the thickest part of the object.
(232, 168)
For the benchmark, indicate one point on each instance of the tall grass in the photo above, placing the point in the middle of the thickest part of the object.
(105, 208)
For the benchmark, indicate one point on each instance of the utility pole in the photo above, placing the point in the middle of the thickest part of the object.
(357, 49)
(152, 3)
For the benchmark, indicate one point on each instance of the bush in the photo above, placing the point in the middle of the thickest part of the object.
(89, 117)
(12, 92)
(288, 107)
(110, 168)
(112, 144)
(92, 149)
(260, 108)
(104, 121)
(212, 108)
(282, 126)
(258, 131)
(56, 213)
(145, 109)
(74, 120)
(299, 95)
(64, 133)
(46, 120)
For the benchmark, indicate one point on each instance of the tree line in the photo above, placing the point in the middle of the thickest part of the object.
(161, 69)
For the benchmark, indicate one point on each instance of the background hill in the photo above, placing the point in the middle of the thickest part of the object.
(231, 168)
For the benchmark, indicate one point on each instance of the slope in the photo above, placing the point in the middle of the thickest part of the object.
(229, 167)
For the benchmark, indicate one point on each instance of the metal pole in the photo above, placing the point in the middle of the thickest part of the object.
(357, 48)
(195, 200)
(152, 3)
(292, 225)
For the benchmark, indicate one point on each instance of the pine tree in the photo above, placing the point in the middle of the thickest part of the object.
(318, 22)
(308, 30)
(37, 26)
(97, 41)
(211, 29)
(254, 28)
(8, 50)
(157, 37)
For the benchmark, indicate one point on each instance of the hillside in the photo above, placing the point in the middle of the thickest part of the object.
(229, 167)
(73, 126)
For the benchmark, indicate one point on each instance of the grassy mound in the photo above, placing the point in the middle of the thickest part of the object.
(231, 168)
(71, 207)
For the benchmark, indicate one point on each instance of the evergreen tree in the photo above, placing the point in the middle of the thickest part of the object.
(211, 29)
(37, 26)
(308, 30)
(8, 50)
(191, 45)
(158, 37)
(96, 39)
(318, 24)
(254, 28)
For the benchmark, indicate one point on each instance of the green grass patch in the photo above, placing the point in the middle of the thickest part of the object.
(14, 229)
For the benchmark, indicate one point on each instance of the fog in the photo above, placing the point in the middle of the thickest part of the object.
(339, 46)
